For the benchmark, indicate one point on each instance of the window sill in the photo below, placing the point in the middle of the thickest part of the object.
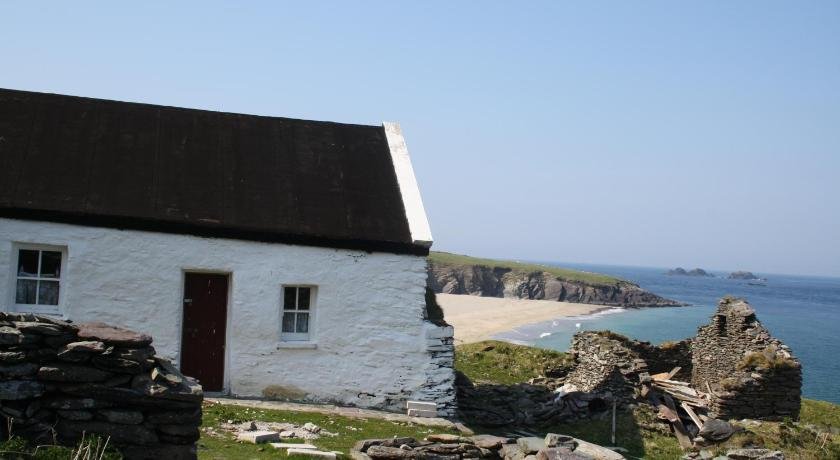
(292, 345)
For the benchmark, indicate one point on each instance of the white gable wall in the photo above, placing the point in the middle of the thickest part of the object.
(370, 340)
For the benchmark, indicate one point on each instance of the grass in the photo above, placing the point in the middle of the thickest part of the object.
(767, 359)
(597, 279)
(504, 363)
(223, 445)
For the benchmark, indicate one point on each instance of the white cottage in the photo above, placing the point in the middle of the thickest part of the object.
(267, 256)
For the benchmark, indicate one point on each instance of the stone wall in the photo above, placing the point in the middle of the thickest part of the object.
(609, 364)
(58, 381)
(439, 386)
(751, 374)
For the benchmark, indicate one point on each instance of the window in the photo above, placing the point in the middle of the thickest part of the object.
(297, 303)
(38, 279)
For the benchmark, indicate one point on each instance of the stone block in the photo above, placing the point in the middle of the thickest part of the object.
(312, 453)
(112, 335)
(530, 445)
(127, 417)
(421, 405)
(257, 437)
(20, 389)
(291, 445)
(62, 372)
(422, 413)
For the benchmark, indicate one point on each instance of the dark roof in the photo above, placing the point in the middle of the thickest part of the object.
(149, 167)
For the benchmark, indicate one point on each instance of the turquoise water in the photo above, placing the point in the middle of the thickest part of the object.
(802, 311)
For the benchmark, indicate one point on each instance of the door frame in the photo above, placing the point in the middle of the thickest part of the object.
(228, 315)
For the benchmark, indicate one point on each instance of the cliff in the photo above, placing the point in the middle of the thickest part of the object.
(455, 274)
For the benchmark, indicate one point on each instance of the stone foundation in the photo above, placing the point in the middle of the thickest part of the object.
(59, 381)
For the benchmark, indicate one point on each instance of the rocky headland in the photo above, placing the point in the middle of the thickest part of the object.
(456, 274)
(679, 271)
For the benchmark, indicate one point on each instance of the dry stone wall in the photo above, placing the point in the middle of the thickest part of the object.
(59, 380)
(751, 373)
(610, 364)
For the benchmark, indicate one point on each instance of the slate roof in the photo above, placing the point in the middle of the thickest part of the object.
(148, 167)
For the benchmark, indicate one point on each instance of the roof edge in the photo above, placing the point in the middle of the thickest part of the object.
(415, 213)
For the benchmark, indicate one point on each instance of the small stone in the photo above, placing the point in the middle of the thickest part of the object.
(9, 335)
(60, 372)
(487, 441)
(290, 445)
(311, 453)
(11, 357)
(39, 328)
(443, 437)
(113, 335)
(311, 427)
(716, 430)
(559, 440)
(75, 414)
(20, 389)
(18, 370)
(530, 445)
(126, 417)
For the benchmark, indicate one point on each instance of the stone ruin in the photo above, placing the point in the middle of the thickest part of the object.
(745, 371)
(749, 373)
(59, 381)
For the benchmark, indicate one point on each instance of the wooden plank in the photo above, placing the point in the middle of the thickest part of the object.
(660, 376)
(692, 414)
(679, 429)
(673, 372)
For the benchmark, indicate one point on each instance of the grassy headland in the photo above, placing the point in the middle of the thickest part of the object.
(567, 274)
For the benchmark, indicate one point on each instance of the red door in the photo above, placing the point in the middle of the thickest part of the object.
(203, 337)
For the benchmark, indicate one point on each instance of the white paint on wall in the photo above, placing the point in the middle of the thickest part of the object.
(369, 345)
(418, 223)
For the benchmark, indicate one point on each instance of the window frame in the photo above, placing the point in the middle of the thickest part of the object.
(298, 337)
(40, 309)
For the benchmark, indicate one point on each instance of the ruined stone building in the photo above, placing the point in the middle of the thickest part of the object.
(747, 372)
(267, 256)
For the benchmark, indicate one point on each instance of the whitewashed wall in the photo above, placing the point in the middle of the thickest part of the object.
(368, 328)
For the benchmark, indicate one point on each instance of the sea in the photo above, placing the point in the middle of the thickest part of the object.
(802, 311)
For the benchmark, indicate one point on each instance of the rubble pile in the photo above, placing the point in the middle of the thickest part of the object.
(59, 381)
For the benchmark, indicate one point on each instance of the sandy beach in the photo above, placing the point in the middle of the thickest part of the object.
(479, 318)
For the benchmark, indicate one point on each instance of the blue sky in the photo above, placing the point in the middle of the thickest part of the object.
(639, 133)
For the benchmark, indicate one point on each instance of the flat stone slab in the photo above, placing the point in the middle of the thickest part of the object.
(312, 453)
(291, 445)
(113, 335)
(257, 437)
(422, 413)
(421, 405)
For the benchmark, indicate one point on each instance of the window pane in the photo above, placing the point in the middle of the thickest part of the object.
(51, 264)
(48, 293)
(302, 322)
(288, 322)
(26, 291)
(289, 298)
(27, 263)
(303, 298)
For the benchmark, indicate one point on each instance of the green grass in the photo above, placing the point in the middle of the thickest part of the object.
(349, 431)
(446, 258)
(504, 363)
